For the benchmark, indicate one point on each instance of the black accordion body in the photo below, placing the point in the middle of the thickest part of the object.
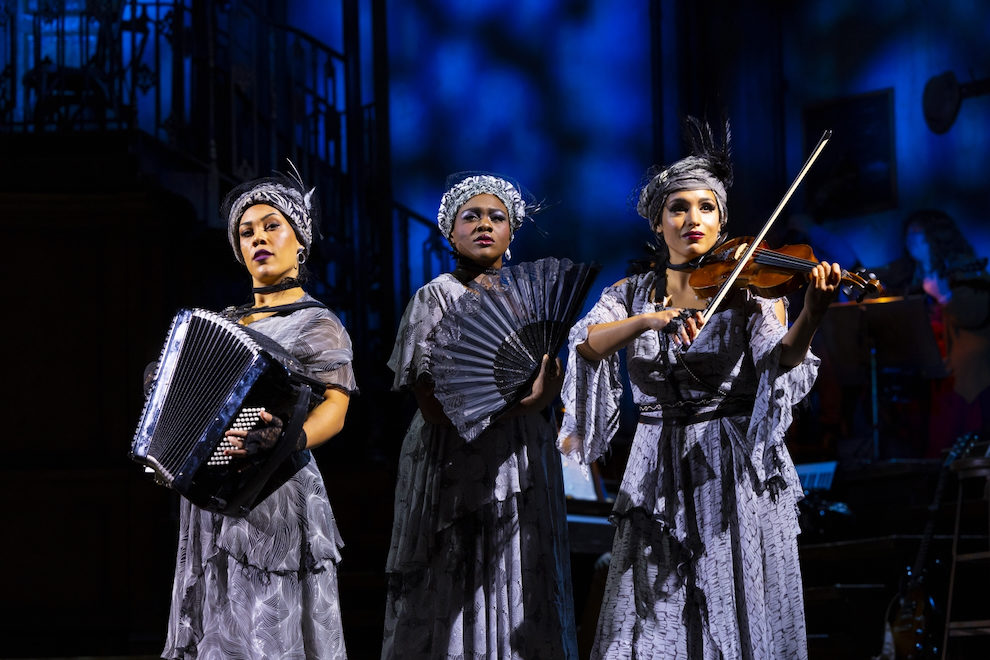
(214, 374)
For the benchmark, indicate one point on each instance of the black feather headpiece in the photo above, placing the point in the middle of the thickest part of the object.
(700, 138)
(707, 168)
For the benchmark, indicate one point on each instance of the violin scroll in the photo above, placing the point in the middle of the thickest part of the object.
(861, 284)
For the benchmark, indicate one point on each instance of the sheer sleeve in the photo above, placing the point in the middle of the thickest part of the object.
(324, 347)
(410, 358)
(592, 389)
(779, 390)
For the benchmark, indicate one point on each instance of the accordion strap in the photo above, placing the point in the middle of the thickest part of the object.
(237, 313)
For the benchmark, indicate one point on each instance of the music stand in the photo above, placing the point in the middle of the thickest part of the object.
(887, 333)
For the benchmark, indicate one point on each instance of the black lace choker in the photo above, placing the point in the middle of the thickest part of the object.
(469, 268)
(284, 285)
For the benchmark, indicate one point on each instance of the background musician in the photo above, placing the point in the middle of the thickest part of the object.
(939, 261)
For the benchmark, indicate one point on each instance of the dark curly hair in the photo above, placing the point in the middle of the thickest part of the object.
(951, 254)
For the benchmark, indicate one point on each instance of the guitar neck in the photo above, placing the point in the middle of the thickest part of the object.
(919, 560)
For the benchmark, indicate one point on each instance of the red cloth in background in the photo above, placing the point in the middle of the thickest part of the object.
(951, 416)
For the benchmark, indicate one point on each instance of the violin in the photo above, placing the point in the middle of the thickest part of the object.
(752, 253)
(770, 273)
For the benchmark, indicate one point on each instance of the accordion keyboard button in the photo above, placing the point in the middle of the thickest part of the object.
(246, 420)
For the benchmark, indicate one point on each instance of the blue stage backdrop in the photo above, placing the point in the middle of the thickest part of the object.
(555, 94)
(837, 49)
(558, 94)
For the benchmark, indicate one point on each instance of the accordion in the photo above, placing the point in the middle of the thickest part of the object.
(212, 375)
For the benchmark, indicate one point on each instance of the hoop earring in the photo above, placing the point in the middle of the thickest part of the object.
(300, 257)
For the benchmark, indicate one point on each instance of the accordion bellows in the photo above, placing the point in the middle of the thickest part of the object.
(212, 370)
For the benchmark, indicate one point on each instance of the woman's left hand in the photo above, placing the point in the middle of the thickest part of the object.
(823, 289)
(259, 439)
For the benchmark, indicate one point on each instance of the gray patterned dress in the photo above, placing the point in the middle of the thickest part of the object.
(478, 565)
(704, 562)
(265, 586)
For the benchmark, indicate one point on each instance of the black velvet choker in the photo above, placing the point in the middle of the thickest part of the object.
(689, 265)
(284, 285)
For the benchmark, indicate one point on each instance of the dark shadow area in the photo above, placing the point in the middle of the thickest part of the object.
(123, 123)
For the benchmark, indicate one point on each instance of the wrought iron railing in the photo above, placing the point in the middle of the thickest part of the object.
(421, 253)
(217, 80)
(229, 90)
(235, 94)
(81, 64)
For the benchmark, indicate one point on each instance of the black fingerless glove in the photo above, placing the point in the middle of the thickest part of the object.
(264, 438)
(674, 326)
(301, 442)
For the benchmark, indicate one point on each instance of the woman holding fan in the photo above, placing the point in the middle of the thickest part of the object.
(478, 565)
(704, 562)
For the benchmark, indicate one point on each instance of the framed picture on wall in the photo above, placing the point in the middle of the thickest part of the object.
(856, 173)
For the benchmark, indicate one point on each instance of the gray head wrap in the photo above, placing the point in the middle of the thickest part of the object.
(479, 184)
(691, 173)
(707, 168)
(297, 205)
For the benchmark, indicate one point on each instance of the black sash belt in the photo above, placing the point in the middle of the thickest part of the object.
(693, 412)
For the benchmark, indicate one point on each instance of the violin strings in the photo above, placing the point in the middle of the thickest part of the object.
(782, 257)
(771, 258)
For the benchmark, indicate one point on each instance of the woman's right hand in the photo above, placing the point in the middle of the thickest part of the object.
(429, 405)
(606, 338)
(683, 329)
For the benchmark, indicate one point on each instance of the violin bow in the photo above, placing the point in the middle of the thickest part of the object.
(751, 250)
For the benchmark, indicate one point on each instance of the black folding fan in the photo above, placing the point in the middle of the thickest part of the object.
(490, 343)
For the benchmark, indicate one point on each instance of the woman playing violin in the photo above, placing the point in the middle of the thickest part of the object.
(704, 562)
